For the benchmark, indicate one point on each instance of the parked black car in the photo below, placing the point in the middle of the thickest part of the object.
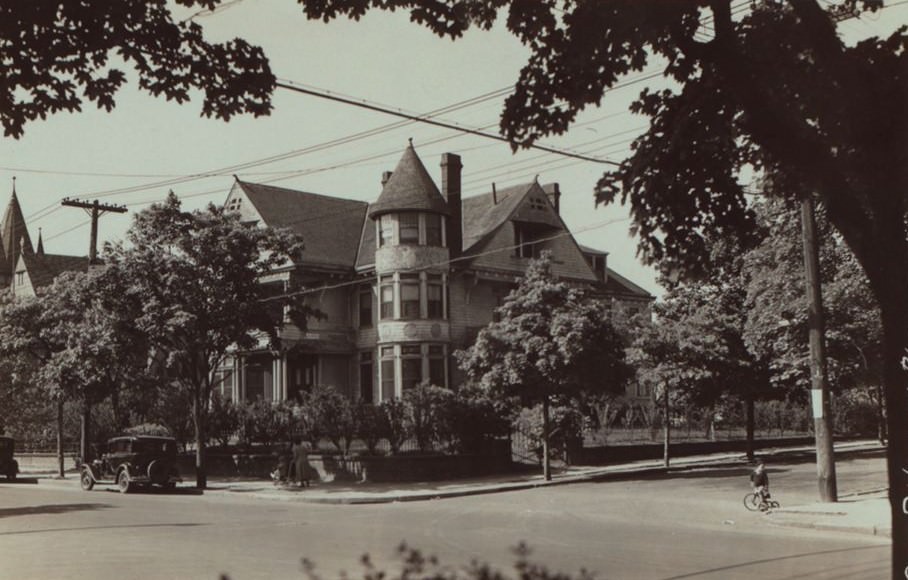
(136, 460)
(8, 466)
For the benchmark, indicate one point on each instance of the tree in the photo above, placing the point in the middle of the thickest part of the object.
(197, 278)
(777, 322)
(57, 54)
(772, 87)
(99, 354)
(552, 342)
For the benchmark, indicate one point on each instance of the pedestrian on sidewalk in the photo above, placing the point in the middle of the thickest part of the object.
(300, 465)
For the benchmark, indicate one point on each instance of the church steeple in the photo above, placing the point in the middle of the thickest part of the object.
(14, 238)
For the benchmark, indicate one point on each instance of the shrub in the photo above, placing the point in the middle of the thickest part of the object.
(415, 566)
(471, 417)
(396, 423)
(427, 406)
(565, 428)
(268, 422)
(224, 419)
(152, 429)
(371, 425)
(333, 416)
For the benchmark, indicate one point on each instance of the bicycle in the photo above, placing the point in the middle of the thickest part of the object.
(754, 501)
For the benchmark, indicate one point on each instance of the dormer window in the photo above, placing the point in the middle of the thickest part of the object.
(20, 278)
(526, 241)
(234, 204)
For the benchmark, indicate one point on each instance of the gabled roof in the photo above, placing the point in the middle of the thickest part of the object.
(330, 226)
(482, 214)
(44, 268)
(410, 188)
(618, 284)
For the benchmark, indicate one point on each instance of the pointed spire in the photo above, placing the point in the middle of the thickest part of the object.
(13, 236)
(14, 186)
(409, 188)
(40, 250)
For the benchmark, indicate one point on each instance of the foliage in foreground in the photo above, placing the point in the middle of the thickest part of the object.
(415, 566)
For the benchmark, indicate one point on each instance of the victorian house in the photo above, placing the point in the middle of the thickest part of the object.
(405, 281)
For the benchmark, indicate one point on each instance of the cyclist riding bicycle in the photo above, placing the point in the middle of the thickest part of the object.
(759, 479)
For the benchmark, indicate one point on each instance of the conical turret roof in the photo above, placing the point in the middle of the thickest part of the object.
(14, 237)
(410, 188)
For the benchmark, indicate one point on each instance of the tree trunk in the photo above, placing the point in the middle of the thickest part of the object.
(750, 423)
(546, 467)
(881, 416)
(895, 342)
(61, 468)
(668, 428)
(201, 477)
(85, 434)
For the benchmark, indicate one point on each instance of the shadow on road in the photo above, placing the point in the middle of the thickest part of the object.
(158, 491)
(712, 571)
(87, 528)
(59, 508)
(21, 480)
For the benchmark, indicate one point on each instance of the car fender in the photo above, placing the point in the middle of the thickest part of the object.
(92, 471)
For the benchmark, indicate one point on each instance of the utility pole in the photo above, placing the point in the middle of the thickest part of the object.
(95, 209)
(819, 389)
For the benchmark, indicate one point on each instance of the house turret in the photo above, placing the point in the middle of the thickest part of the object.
(412, 253)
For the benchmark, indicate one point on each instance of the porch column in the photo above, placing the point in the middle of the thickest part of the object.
(277, 378)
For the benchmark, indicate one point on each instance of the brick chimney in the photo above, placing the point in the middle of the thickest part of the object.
(450, 189)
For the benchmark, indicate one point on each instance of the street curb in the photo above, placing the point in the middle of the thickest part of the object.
(870, 530)
(603, 474)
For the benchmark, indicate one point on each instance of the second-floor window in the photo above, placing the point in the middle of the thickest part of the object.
(409, 296)
(365, 307)
(434, 300)
(387, 298)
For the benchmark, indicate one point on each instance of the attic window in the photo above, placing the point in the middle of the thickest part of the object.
(20, 278)
(234, 204)
(537, 203)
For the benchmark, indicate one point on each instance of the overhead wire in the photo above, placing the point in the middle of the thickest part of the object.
(447, 262)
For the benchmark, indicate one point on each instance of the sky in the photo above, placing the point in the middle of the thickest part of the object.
(147, 146)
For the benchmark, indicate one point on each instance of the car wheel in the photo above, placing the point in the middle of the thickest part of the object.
(123, 483)
(86, 481)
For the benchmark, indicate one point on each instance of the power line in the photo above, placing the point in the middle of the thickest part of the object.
(448, 262)
(423, 119)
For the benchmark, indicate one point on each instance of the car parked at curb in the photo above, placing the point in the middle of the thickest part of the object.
(8, 466)
(133, 461)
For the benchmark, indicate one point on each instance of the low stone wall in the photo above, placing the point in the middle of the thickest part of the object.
(606, 455)
(43, 462)
(332, 467)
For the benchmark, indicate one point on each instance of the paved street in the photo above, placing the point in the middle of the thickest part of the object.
(685, 525)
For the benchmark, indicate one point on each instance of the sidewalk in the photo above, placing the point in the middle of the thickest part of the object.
(864, 513)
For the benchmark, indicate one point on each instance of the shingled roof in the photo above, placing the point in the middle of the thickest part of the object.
(410, 188)
(330, 226)
(44, 268)
(13, 236)
(482, 214)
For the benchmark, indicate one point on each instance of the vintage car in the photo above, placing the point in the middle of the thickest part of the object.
(8, 466)
(131, 461)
